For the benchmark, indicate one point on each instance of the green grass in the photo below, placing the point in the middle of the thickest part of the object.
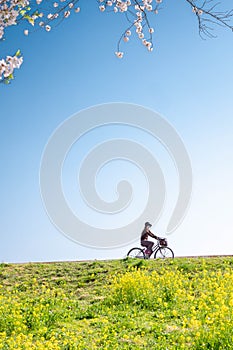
(124, 304)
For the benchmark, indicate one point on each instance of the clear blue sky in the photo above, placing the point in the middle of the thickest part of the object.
(185, 79)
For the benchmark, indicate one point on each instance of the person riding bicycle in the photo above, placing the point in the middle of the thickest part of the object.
(144, 238)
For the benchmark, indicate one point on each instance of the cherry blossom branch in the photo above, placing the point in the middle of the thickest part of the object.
(140, 11)
(8, 65)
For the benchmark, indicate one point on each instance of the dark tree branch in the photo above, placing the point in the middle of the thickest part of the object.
(208, 16)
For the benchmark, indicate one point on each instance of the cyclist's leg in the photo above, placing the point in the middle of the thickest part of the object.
(148, 245)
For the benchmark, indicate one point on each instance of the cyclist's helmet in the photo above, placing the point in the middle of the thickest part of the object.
(147, 224)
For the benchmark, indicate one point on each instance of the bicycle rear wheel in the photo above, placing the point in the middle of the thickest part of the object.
(136, 253)
(164, 253)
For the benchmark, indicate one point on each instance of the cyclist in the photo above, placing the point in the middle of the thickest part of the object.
(144, 238)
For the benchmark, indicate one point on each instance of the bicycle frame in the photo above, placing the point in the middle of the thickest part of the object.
(155, 246)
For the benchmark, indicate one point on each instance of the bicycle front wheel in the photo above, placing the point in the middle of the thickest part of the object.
(136, 253)
(164, 253)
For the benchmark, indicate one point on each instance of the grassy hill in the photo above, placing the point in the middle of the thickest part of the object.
(124, 304)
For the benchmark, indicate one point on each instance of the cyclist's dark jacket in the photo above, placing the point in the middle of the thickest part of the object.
(145, 234)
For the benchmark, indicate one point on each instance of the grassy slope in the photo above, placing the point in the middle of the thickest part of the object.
(112, 305)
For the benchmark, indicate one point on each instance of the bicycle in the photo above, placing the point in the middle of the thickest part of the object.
(160, 251)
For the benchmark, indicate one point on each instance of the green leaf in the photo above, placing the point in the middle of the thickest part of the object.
(18, 53)
(31, 21)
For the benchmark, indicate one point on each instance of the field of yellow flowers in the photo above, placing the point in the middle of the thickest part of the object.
(125, 304)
